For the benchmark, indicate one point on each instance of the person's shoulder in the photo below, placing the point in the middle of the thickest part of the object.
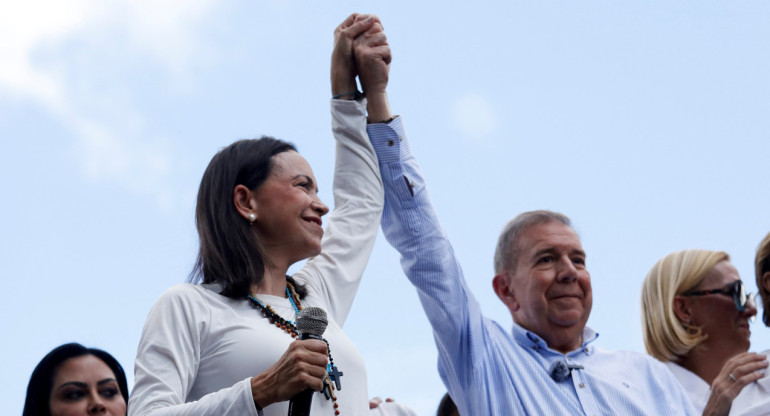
(187, 293)
(630, 357)
(181, 290)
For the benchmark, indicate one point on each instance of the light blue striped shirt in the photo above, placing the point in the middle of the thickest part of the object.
(487, 369)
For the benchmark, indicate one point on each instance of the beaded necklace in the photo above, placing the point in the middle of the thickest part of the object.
(290, 327)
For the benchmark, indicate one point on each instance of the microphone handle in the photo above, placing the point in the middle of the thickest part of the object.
(299, 405)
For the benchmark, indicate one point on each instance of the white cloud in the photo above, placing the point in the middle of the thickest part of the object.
(474, 116)
(39, 64)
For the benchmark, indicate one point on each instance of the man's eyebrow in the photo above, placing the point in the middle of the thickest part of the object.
(547, 250)
(550, 250)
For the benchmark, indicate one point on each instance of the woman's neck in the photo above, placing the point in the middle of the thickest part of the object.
(707, 361)
(273, 282)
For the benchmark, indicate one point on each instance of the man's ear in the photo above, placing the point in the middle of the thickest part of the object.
(245, 203)
(682, 310)
(500, 284)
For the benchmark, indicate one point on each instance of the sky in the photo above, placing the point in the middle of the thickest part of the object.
(645, 122)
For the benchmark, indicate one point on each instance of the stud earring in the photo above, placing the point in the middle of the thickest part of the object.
(252, 217)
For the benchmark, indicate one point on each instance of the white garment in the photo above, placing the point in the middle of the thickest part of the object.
(199, 349)
(392, 409)
(753, 400)
(697, 389)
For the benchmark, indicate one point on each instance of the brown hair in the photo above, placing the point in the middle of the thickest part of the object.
(762, 266)
(229, 251)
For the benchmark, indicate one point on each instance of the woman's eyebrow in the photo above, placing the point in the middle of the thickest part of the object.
(73, 383)
(307, 178)
(105, 381)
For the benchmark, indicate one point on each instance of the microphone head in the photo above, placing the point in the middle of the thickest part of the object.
(559, 371)
(312, 321)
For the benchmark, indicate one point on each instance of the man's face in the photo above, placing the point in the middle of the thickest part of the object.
(549, 292)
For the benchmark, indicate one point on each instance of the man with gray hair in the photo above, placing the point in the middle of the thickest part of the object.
(547, 364)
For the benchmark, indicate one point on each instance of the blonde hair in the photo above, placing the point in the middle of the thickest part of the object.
(762, 266)
(665, 336)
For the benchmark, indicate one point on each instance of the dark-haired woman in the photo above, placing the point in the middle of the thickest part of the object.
(226, 347)
(73, 380)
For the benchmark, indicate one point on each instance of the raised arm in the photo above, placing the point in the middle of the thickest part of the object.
(411, 226)
(372, 58)
(358, 196)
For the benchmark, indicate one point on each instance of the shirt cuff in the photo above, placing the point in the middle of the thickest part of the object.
(389, 140)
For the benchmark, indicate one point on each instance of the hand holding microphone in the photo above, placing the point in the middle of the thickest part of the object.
(301, 368)
(311, 324)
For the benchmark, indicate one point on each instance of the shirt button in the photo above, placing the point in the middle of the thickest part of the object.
(391, 143)
(581, 385)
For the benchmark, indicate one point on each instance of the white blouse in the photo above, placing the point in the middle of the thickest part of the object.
(199, 349)
(753, 400)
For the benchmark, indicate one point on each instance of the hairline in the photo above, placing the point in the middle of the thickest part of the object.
(508, 251)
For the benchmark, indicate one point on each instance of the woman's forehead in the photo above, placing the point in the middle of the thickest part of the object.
(291, 163)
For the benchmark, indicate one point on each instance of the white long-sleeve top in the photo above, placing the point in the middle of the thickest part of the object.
(753, 400)
(199, 349)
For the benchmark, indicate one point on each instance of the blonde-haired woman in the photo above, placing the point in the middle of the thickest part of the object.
(695, 318)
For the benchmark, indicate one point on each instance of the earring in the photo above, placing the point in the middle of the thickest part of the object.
(252, 217)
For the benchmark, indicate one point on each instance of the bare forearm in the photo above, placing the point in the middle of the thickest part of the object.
(378, 107)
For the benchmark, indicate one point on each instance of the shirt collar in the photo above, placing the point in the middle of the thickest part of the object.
(531, 340)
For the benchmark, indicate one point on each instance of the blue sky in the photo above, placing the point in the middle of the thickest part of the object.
(646, 122)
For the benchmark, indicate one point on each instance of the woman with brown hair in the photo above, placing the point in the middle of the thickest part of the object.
(226, 346)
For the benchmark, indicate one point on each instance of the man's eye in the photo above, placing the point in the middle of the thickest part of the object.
(579, 260)
(545, 259)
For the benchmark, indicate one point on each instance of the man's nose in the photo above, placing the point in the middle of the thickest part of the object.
(567, 272)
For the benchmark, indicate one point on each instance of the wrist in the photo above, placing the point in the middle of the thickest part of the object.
(258, 394)
(342, 82)
(350, 95)
(378, 107)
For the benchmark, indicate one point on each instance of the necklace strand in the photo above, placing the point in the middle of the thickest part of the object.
(290, 327)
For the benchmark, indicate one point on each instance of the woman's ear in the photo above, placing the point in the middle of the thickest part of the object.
(682, 310)
(245, 203)
(766, 282)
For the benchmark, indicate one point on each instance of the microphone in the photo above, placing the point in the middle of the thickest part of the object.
(311, 324)
(561, 371)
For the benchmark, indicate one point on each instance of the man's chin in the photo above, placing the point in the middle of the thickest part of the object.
(568, 319)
